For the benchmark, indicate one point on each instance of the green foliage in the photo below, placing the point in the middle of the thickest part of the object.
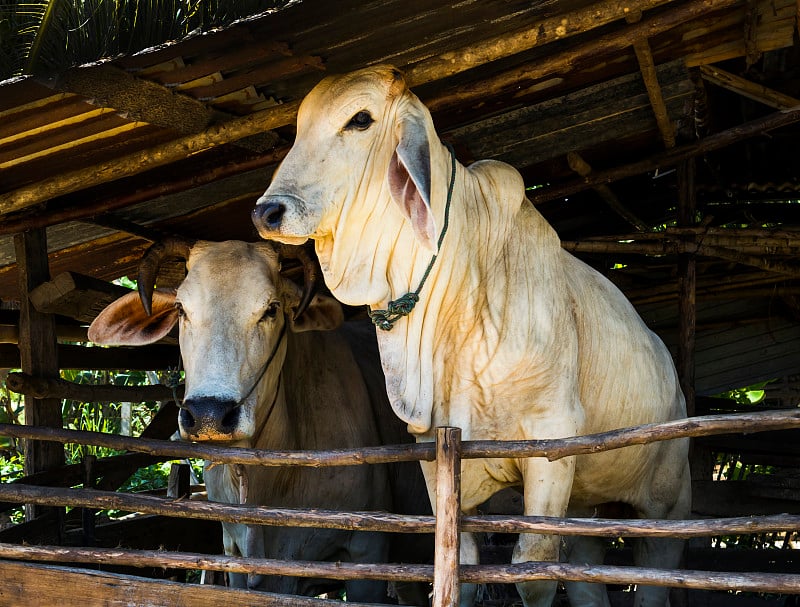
(45, 36)
(749, 395)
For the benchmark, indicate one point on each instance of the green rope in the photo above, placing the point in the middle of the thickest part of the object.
(402, 306)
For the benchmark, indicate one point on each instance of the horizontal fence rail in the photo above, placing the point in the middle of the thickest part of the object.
(392, 523)
(552, 449)
(711, 580)
(446, 573)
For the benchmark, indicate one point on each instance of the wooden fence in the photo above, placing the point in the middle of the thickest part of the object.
(446, 573)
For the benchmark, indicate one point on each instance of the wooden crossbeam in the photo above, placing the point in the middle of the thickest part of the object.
(548, 30)
(647, 66)
(584, 169)
(671, 157)
(747, 88)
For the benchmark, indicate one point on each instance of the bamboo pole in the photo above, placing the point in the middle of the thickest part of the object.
(536, 34)
(137, 162)
(446, 589)
(671, 157)
(552, 449)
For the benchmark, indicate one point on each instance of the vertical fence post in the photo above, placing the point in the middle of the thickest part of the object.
(448, 514)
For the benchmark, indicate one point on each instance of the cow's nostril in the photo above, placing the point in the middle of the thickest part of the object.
(187, 420)
(231, 420)
(269, 214)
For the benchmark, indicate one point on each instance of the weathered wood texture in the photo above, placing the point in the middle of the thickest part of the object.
(552, 449)
(526, 74)
(76, 296)
(58, 586)
(547, 30)
(148, 358)
(671, 157)
(608, 111)
(754, 582)
(394, 523)
(446, 588)
(37, 349)
(40, 387)
(138, 162)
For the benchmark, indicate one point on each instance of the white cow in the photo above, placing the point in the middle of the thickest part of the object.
(261, 374)
(512, 337)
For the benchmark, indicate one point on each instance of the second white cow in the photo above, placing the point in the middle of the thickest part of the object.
(511, 337)
(263, 374)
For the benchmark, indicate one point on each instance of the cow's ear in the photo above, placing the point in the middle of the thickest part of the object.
(410, 177)
(323, 314)
(125, 323)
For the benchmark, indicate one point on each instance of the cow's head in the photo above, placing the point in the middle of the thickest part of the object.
(233, 311)
(358, 175)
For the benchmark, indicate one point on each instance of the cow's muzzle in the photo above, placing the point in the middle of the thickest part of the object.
(209, 419)
(269, 214)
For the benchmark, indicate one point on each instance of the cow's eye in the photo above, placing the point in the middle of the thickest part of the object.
(179, 310)
(361, 121)
(271, 311)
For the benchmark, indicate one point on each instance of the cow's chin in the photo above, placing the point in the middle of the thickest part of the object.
(237, 438)
(283, 238)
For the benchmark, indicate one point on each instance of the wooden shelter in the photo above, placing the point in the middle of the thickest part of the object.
(659, 137)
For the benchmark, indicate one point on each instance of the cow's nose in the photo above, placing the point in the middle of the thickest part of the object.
(209, 418)
(269, 214)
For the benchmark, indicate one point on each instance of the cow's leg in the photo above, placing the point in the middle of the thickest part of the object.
(662, 553)
(367, 547)
(229, 532)
(547, 487)
(254, 548)
(585, 551)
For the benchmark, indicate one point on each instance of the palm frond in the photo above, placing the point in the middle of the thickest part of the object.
(45, 36)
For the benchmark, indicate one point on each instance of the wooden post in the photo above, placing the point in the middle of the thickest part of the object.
(88, 514)
(38, 351)
(446, 589)
(687, 283)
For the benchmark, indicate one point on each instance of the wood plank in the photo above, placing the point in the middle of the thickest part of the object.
(37, 352)
(137, 162)
(75, 296)
(446, 587)
(58, 586)
(746, 88)
(550, 29)
(576, 121)
(142, 358)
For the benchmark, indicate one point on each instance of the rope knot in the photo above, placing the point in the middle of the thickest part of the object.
(402, 306)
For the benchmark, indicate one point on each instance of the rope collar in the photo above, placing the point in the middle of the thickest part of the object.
(403, 305)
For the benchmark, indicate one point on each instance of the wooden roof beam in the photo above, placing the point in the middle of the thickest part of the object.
(144, 101)
(138, 162)
(564, 62)
(647, 66)
(671, 157)
(584, 169)
(746, 88)
(548, 30)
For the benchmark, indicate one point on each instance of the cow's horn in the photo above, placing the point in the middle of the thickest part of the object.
(311, 273)
(173, 247)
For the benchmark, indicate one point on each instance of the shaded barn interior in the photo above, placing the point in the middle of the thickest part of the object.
(658, 137)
